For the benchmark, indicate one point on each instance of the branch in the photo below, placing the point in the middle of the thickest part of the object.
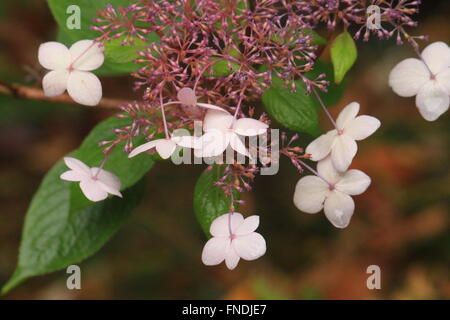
(24, 92)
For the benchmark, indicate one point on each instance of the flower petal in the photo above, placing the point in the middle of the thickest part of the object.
(328, 171)
(165, 148)
(339, 209)
(249, 225)
(343, 152)
(310, 193)
(54, 56)
(54, 83)
(237, 145)
(187, 96)
(432, 100)
(77, 165)
(92, 190)
(347, 115)
(211, 107)
(443, 78)
(143, 148)
(86, 55)
(408, 77)
(219, 227)
(214, 142)
(108, 181)
(353, 182)
(84, 88)
(217, 120)
(249, 127)
(249, 247)
(321, 147)
(362, 126)
(232, 258)
(188, 141)
(437, 56)
(215, 250)
(72, 175)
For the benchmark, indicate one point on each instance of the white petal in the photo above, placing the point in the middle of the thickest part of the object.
(249, 127)
(219, 227)
(232, 258)
(328, 171)
(214, 142)
(86, 55)
(77, 165)
(53, 56)
(443, 78)
(165, 148)
(432, 101)
(218, 120)
(143, 148)
(54, 83)
(108, 181)
(408, 77)
(237, 145)
(92, 190)
(310, 193)
(347, 115)
(362, 127)
(211, 107)
(249, 247)
(188, 141)
(187, 97)
(339, 209)
(353, 182)
(215, 250)
(437, 56)
(249, 225)
(321, 147)
(84, 88)
(72, 175)
(343, 152)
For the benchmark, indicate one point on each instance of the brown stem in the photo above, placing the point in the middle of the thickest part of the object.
(30, 93)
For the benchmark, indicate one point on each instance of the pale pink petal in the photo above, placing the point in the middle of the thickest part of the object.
(231, 259)
(86, 55)
(214, 143)
(72, 175)
(353, 182)
(219, 227)
(443, 78)
(77, 165)
(143, 148)
(54, 83)
(92, 190)
(54, 56)
(343, 152)
(249, 247)
(187, 97)
(408, 77)
(188, 141)
(217, 120)
(362, 127)
(249, 127)
(249, 225)
(215, 250)
(437, 56)
(321, 147)
(165, 148)
(432, 101)
(310, 193)
(84, 88)
(107, 180)
(339, 209)
(211, 107)
(327, 170)
(347, 115)
(238, 146)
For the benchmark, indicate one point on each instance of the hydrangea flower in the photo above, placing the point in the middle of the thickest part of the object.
(187, 97)
(331, 191)
(95, 183)
(165, 147)
(427, 79)
(70, 70)
(340, 142)
(233, 238)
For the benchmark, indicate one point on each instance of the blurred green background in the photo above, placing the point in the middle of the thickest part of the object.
(401, 223)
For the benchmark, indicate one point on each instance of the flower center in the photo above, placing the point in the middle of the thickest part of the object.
(340, 132)
(232, 236)
(331, 187)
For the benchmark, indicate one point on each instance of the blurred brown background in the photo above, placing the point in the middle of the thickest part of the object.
(401, 223)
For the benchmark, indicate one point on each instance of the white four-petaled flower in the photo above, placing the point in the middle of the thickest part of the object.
(95, 183)
(340, 142)
(70, 70)
(186, 96)
(243, 242)
(312, 193)
(427, 79)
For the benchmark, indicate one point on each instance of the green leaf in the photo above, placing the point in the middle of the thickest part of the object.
(61, 226)
(293, 110)
(317, 40)
(210, 201)
(343, 55)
